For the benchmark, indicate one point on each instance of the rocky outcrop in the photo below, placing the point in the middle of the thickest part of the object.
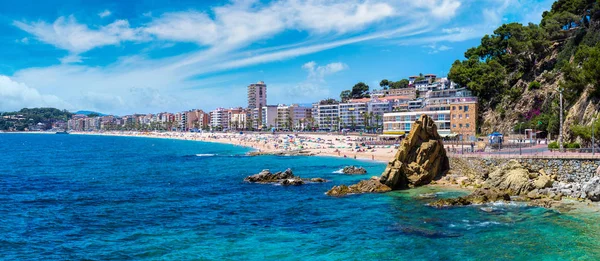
(511, 176)
(479, 196)
(372, 185)
(285, 178)
(420, 158)
(354, 170)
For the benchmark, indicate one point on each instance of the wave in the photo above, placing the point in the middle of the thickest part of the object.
(205, 155)
(339, 171)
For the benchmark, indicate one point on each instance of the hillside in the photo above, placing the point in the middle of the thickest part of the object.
(517, 72)
(26, 118)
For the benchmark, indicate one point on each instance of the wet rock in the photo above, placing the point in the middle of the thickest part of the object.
(420, 158)
(372, 185)
(479, 196)
(285, 178)
(354, 170)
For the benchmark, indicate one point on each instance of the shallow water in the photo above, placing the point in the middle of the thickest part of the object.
(121, 198)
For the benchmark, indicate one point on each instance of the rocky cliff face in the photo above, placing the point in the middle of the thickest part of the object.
(420, 158)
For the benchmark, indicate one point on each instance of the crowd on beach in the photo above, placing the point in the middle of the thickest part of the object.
(327, 144)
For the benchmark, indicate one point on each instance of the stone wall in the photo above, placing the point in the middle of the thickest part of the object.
(575, 178)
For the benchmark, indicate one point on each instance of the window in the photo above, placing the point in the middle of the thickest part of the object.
(466, 108)
(453, 107)
(407, 126)
(467, 115)
(440, 117)
(460, 125)
(398, 118)
(460, 116)
(468, 125)
(453, 116)
(460, 107)
(453, 125)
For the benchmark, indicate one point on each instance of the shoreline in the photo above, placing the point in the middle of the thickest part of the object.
(322, 145)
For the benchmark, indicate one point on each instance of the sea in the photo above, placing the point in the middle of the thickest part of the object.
(83, 197)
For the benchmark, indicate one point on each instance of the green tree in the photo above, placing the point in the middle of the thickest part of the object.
(384, 84)
(345, 95)
(360, 90)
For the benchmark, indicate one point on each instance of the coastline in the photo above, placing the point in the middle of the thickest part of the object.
(327, 145)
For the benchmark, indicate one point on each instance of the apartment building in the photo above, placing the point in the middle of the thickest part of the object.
(353, 115)
(257, 95)
(326, 115)
(268, 117)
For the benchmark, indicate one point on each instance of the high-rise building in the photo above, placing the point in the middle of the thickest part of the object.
(257, 95)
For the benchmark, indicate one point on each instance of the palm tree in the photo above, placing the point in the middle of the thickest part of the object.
(328, 120)
(353, 124)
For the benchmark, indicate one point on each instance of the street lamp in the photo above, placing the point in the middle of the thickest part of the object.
(560, 131)
(593, 139)
(520, 124)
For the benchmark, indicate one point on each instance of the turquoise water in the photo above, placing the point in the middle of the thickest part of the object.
(70, 197)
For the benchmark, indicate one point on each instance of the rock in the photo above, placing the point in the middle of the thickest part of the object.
(420, 158)
(479, 196)
(592, 189)
(364, 186)
(354, 170)
(511, 176)
(293, 182)
(542, 181)
(285, 178)
(598, 171)
(534, 194)
(426, 196)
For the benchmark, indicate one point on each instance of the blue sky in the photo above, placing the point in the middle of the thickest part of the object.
(123, 57)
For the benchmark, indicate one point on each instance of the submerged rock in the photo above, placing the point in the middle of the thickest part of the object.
(479, 196)
(420, 158)
(372, 185)
(354, 170)
(285, 178)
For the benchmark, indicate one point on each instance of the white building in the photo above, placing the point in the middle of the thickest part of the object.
(352, 115)
(326, 116)
(269, 116)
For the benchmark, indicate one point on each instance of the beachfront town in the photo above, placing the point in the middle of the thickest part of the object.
(386, 111)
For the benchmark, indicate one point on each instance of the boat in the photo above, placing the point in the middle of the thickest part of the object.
(62, 132)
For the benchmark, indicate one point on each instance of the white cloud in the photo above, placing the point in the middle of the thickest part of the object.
(315, 86)
(435, 48)
(67, 34)
(15, 96)
(104, 13)
(23, 40)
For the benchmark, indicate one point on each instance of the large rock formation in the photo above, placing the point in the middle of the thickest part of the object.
(354, 170)
(511, 176)
(285, 178)
(420, 158)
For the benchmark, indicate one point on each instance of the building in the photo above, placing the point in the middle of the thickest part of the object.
(453, 110)
(268, 117)
(257, 95)
(463, 115)
(219, 119)
(292, 116)
(326, 115)
(237, 118)
(353, 115)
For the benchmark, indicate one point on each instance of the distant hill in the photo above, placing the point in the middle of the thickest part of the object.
(28, 117)
(89, 112)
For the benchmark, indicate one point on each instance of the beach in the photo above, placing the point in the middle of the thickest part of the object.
(335, 145)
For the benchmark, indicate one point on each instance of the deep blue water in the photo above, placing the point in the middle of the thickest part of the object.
(70, 197)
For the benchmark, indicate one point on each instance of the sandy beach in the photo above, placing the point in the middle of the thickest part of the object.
(318, 144)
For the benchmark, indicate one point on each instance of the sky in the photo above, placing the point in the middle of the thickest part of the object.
(149, 56)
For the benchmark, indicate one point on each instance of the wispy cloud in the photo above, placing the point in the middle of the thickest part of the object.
(104, 13)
